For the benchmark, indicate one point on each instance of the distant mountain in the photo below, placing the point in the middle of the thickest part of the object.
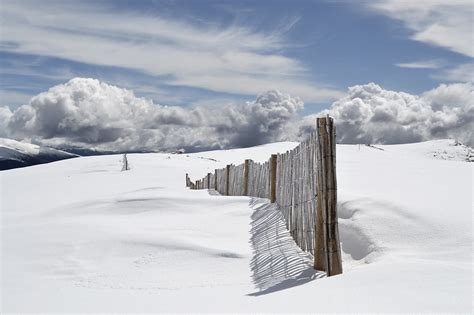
(14, 154)
(92, 152)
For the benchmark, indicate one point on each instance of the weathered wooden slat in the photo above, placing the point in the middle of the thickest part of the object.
(273, 168)
(246, 177)
(227, 175)
(320, 249)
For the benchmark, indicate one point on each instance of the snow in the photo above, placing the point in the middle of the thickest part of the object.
(23, 147)
(12, 149)
(79, 235)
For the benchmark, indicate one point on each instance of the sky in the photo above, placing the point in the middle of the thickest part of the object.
(192, 54)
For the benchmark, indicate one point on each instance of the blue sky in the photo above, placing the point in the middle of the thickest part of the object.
(218, 52)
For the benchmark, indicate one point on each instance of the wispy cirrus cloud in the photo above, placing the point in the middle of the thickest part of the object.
(455, 73)
(443, 23)
(460, 73)
(223, 58)
(422, 64)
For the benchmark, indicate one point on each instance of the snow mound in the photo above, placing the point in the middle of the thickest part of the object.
(446, 149)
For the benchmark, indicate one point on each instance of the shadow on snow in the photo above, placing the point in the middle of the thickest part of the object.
(277, 262)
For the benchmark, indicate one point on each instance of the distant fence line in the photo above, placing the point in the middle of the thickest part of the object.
(303, 183)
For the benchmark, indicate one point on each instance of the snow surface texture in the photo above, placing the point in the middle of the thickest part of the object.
(79, 235)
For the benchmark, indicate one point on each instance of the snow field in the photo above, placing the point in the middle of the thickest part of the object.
(81, 236)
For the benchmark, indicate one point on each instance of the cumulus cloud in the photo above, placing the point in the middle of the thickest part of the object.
(370, 114)
(89, 113)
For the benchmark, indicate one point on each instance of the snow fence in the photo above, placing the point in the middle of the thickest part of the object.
(303, 184)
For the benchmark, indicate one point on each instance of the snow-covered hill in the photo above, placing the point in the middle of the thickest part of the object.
(79, 235)
(14, 154)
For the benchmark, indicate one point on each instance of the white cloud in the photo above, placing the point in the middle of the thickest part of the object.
(370, 114)
(250, 85)
(196, 55)
(422, 64)
(443, 23)
(458, 95)
(460, 73)
(88, 113)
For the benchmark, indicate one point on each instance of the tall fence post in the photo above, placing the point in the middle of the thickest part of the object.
(208, 181)
(227, 173)
(327, 196)
(246, 177)
(273, 167)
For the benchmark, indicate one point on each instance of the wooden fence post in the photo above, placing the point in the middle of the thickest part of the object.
(327, 196)
(246, 177)
(208, 180)
(227, 180)
(273, 167)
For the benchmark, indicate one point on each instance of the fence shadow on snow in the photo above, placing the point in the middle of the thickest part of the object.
(277, 262)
